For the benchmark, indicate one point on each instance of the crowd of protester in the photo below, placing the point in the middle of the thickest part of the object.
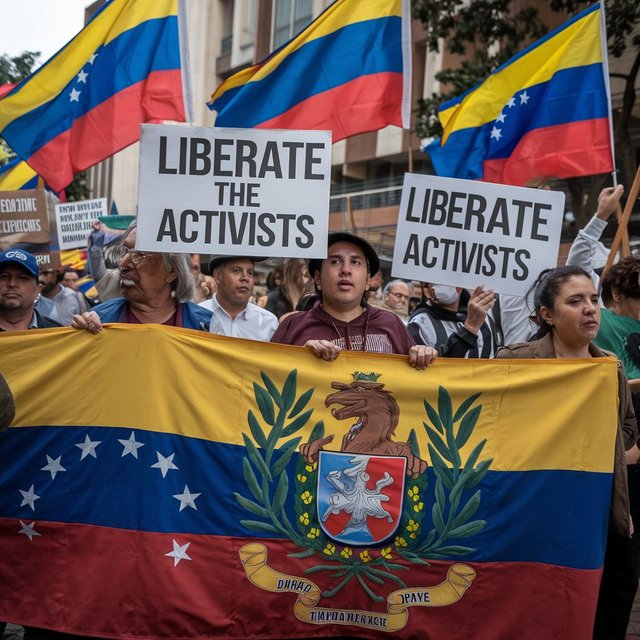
(342, 302)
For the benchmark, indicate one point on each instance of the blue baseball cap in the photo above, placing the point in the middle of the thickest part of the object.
(22, 258)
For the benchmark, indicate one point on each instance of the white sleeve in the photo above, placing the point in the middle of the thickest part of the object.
(587, 251)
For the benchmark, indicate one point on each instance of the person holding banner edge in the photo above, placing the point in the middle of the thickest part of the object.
(568, 317)
(342, 319)
(156, 288)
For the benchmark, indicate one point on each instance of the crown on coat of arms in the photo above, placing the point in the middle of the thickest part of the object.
(360, 376)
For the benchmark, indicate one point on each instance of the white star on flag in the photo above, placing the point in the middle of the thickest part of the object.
(495, 133)
(53, 466)
(512, 102)
(501, 117)
(130, 446)
(88, 447)
(164, 464)
(29, 497)
(187, 499)
(28, 530)
(74, 96)
(178, 553)
(524, 97)
(92, 59)
(82, 76)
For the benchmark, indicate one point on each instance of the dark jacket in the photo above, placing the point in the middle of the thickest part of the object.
(627, 428)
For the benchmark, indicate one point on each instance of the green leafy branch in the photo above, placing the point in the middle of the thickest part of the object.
(451, 513)
(283, 416)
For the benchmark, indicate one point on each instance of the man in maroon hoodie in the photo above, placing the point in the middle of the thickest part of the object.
(342, 319)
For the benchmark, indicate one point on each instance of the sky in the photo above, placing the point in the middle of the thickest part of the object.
(39, 25)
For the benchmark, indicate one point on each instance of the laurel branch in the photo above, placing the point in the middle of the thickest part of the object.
(264, 469)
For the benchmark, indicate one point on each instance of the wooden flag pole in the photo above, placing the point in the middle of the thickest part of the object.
(626, 247)
(622, 226)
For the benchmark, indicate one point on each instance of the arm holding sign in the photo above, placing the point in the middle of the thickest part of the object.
(587, 251)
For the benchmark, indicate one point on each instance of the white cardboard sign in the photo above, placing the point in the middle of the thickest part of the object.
(466, 233)
(74, 220)
(234, 191)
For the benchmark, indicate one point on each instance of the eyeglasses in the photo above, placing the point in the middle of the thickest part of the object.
(400, 296)
(136, 256)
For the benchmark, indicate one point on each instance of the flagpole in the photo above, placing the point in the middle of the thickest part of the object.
(607, 88)
(626, 215)
(185, 62)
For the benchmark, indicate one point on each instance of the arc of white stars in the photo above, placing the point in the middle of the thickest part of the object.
(88, 447)
(28, 530)
(130, 446)
(29, 497)
(187, 499)
(53, 466)
(179, 553)
(164, 464)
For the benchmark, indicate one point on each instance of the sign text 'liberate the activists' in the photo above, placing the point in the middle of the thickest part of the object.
(465, 233)
(234, 191)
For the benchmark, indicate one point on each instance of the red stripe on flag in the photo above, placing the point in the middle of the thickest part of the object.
(111, 126)
(347, 108)
(561, 151)
(107, 582)
(5, 88)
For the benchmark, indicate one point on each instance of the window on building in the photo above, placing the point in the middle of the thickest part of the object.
(290, 18)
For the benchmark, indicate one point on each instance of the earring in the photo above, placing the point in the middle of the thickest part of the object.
(319, 287)
(550, 323)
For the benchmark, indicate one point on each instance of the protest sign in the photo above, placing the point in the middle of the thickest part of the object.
(149, 508)
(234, 191)
(466, 233)
(74, 221)
(27, 221)
(23, 217)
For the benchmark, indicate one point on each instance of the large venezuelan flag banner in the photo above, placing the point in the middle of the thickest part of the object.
(152, 486)
(546, 113)
(88, 101)
(349, 72)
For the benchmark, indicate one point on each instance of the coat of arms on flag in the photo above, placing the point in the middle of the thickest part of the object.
(360, 511)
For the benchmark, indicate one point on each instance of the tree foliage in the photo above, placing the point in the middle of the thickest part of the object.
(483, 34)
(16, 68)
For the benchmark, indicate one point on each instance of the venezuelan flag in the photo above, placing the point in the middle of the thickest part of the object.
(16, 175)
(349, 72)
(158, 491)
(545, 113)
(88, 101)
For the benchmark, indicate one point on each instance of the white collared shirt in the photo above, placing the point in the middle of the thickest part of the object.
(252, 323)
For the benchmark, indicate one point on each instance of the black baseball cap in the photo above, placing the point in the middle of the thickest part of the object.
(216, 261)
(344, 236)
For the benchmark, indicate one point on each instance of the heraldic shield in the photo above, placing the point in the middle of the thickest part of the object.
(360, 496)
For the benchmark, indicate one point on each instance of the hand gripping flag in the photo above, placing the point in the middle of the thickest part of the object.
(88, 101)
(544, 113)
(349, 72)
